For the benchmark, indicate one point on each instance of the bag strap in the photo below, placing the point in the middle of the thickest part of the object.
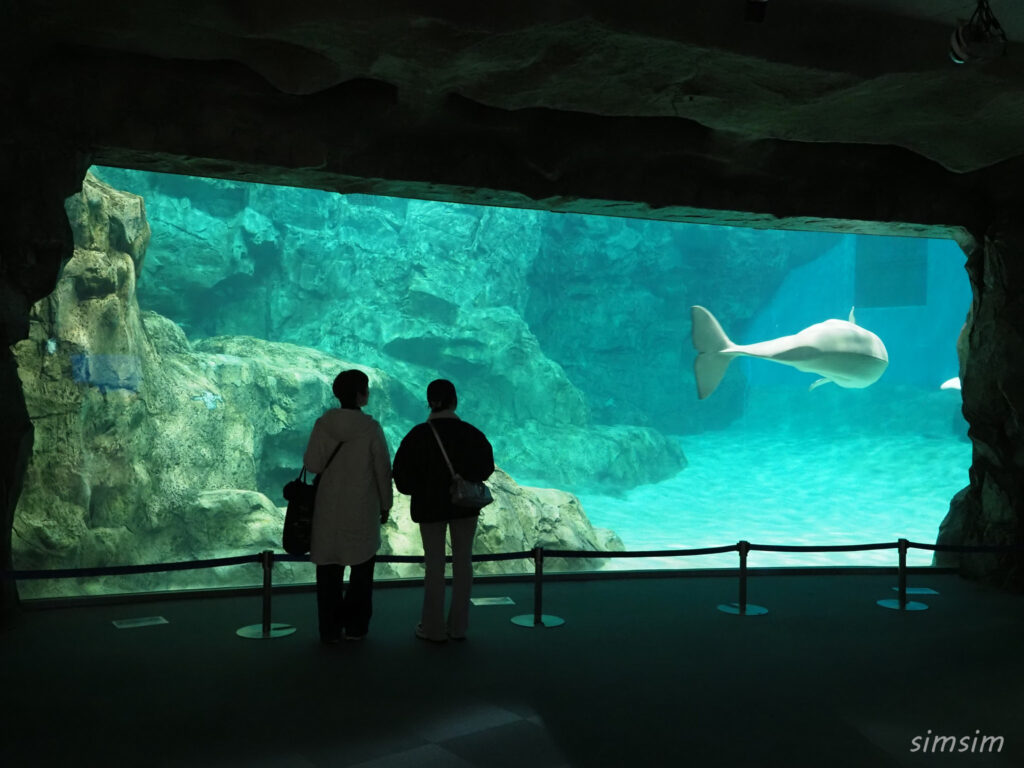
(333, 454)
(302, 472)
(441, 446)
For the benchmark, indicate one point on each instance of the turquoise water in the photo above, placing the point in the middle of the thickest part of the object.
(567, 336)
(828, 466)
(744, 485)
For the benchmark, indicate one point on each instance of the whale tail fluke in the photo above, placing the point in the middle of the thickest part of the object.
(710, 342)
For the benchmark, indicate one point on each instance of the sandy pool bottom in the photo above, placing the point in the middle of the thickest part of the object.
(772, 489)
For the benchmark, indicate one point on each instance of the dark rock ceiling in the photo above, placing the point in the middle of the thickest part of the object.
(863, 72)
(832, 114)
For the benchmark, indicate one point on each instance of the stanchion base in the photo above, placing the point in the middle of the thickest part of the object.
(528, 620)
(734, 608)
(255, 631)
(911, 605)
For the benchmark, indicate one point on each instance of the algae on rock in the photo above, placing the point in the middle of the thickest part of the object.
(150, 448)
(423, 290)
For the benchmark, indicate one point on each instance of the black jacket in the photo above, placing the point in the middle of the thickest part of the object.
(420, 470)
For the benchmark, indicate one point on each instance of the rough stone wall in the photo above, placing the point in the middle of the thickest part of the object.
(148, 448)
(37, 241)
(991, 509)
(423, 289)
(634, 282)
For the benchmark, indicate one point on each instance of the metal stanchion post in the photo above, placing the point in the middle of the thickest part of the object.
(742, 608)
(266, 629)
(538, 619)
(902, 604)
(902, 581)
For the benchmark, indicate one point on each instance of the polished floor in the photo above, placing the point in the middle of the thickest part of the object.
(644, 672)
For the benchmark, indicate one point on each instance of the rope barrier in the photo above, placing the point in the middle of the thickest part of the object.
(267, 558)
(499, 556)
(490, 557)
(968, 547)
(120, 570)
(821, 548)
(578, 553)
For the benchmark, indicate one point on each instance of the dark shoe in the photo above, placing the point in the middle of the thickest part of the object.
(355, 637)
(330, 640)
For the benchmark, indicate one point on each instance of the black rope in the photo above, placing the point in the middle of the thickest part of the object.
(292, 558)
(448, 558)
(822, 548)
(577, 553)
(503, 556)
(417, 558)
(118, 570)
(968, 547)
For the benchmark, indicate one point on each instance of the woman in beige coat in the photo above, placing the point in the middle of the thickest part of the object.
(353, 500)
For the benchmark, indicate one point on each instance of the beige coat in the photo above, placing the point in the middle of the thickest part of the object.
(353, 490)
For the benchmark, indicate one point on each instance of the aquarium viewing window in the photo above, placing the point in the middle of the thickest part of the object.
(175, 373)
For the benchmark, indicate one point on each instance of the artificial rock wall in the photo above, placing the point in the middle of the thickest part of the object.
(566, 321)
(40, 239)
(422, 290)
(149, 448)
(991, 509)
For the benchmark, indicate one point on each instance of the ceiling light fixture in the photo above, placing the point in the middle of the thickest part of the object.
(980, 38)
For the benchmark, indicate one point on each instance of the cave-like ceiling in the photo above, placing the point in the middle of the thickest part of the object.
(841, 71)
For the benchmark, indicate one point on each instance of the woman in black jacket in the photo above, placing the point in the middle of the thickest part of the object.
(420, 471)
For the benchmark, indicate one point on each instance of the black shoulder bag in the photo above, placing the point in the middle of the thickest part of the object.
(298, 519)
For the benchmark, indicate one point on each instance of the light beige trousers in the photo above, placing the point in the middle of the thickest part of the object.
(433, 535)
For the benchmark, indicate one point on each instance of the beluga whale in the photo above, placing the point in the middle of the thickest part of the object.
(839, 351)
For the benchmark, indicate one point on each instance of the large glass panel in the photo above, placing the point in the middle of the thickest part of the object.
(174, 376)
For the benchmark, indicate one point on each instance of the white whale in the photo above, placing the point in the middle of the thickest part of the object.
(838, 350)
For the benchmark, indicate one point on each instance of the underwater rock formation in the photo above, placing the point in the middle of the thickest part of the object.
(636, 280)
(277, 391)
(520, 519)
(421, 289)
(149, 448)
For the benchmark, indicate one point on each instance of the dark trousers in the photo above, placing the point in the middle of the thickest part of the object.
(344, 610)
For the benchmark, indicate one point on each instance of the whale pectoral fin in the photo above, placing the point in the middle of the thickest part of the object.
(852, 319)
(818, 383)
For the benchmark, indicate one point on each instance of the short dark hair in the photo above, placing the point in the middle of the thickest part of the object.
(441, 395)
(348, 385)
